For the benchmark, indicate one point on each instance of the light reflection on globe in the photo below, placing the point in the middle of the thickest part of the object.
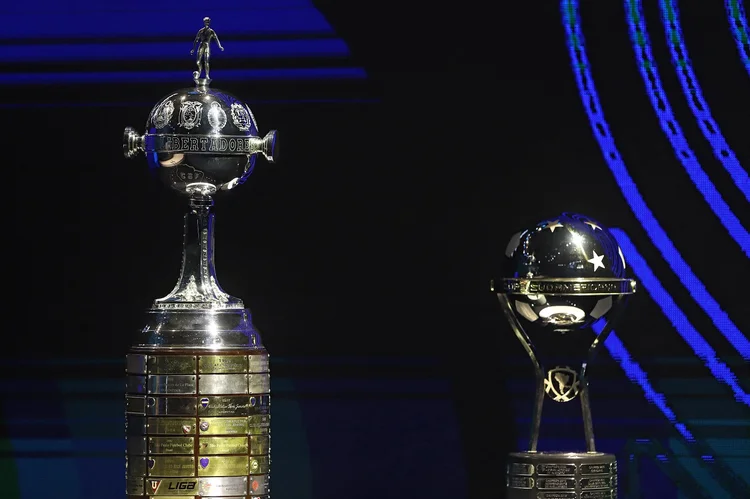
(564, 274)
(201, 141)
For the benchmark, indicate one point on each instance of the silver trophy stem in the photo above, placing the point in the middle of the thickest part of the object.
(198, 286)
(588, 423)
(536, 417)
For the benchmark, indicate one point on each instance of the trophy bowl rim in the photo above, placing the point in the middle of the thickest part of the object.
(564, 286)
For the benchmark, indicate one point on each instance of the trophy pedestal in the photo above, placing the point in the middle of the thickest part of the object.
(561, 475)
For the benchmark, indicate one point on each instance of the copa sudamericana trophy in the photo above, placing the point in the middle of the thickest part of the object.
(563, 286)
(198, 383)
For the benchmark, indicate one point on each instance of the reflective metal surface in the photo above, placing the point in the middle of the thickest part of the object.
(197, 376)
(564, 273)
(556, 475)
(203, 39)
(559, 278)
(191, 152)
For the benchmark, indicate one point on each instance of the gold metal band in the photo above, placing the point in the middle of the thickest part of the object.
(142, 364)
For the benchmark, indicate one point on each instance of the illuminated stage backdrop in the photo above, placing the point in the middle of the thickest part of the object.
(703, 458)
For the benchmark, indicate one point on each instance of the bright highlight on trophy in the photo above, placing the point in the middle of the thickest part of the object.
(198, 381)
(564, 279)
(202, 140)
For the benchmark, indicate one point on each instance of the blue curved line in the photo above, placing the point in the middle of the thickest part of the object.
(668, 122)
(657, 235)
(681, 61)
(738, 23)
(677, 317)
(636, 374)
(343, 73)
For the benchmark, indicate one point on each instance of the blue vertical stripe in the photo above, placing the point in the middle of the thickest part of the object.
(672, 130)
(692, 90)
(655, 232)
(677, 317)
(738, 24)
(636, 374)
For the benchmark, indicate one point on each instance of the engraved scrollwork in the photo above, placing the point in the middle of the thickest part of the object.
(190, 114)
(163, 114)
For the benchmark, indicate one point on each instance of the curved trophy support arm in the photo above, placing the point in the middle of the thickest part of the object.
(606, 330)
(588, 422)
(523, 337)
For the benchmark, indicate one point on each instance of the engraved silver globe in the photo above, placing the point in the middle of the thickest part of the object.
(564, 274)
(201, 140)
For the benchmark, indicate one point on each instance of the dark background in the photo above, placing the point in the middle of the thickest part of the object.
(366, 253)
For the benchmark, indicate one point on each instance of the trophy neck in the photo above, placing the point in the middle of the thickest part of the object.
(198, 287)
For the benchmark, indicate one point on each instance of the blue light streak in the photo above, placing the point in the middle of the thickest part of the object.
(35, 53)
(694, 96)
(636, 374)
(672, 130)
(250, 102)
(135, 24)
(677, 317)
(738, 23)
(180, 76)
(84, 6)
(657, 235)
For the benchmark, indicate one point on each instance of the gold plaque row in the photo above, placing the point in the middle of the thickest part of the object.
(189, 466)
(205, 384)
(254, 444)
(192, 364)
(257, 424)
(206, 487)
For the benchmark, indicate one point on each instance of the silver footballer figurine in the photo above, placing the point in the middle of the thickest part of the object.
(203, 59)
(198, 382)
(562, 287)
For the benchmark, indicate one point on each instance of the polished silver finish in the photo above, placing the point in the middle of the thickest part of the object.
(197, 379)
(203, 39)
(555, 475)
(222, 486)
(208, 144)
(560, 278)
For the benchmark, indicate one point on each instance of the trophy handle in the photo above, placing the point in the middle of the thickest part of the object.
(523, 337)
(588, 423)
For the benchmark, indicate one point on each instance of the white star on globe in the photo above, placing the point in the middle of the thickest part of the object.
(596, 261)
(553, 225)
(593, 225)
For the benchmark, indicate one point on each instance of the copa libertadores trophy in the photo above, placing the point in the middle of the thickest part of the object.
(563, 286)
(198, 383)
